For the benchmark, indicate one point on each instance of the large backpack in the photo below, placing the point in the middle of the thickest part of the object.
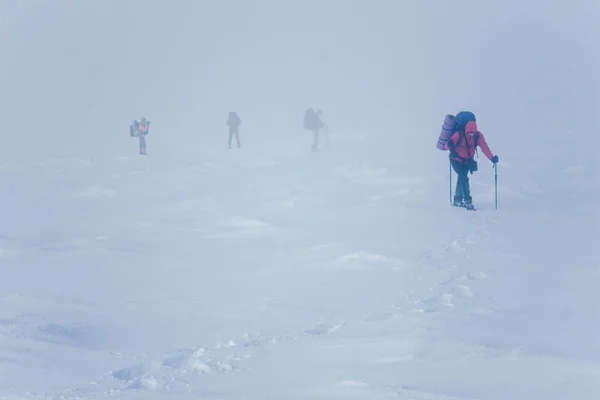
(133, 128)
(453, 123)
(309, 119)
(462, 118)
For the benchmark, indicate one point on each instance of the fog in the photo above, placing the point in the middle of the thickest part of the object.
(75, 73)
(270, 270)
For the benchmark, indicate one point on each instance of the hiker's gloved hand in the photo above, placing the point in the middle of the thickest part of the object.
(495, 159)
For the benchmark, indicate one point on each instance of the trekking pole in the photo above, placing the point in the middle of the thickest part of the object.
(450, 169)
(496, 184)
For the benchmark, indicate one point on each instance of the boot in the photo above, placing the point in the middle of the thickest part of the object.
(468, 204)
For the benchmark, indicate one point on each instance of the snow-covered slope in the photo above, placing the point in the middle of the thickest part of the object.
(270, 272)
(295, 275)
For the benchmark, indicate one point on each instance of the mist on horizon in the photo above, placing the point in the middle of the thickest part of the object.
(75, 76)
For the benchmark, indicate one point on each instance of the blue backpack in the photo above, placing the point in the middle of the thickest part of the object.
(462, 118)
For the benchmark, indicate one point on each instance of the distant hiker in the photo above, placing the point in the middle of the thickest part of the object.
(234, 122)
(140, 130)
(313, 122)
(462, 145)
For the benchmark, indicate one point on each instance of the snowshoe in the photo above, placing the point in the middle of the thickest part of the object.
(464, 204)
(469, 205)
(458, 203)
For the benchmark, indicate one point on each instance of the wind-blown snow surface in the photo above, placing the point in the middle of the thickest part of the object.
(275, 273)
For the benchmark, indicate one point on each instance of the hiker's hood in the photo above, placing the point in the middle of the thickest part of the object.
(471, 127)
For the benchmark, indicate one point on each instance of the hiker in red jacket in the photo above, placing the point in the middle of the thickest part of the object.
(142, 133)
(462, 146)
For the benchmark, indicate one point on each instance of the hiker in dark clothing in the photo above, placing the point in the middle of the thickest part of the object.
(313, 122)
(234, 122)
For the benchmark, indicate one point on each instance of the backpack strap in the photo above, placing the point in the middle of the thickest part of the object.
(462, 136)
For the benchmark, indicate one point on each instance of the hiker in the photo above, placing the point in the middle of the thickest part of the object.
(462, 145)
(312, 122)
(234, 122)
(140, 130)
(143, 127)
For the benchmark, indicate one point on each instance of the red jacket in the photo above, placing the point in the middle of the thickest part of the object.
(467, 141)
(142, 129)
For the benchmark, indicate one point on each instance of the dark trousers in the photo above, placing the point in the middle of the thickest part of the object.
(315, 145)
(463, 191)
(234, 132)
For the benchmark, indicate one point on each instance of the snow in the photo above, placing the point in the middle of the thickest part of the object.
(271, 272)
